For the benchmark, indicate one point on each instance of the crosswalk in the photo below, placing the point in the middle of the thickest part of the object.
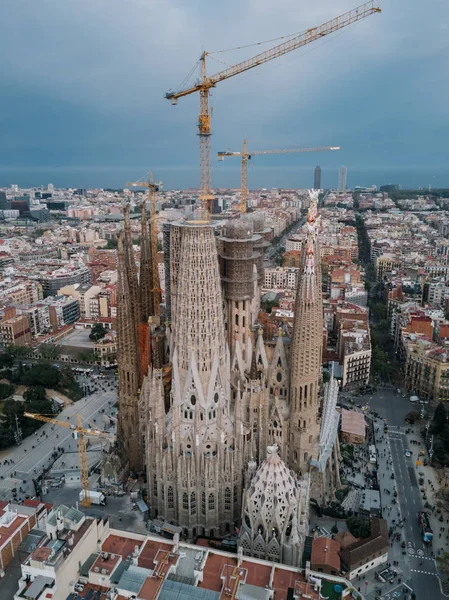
(423, 572)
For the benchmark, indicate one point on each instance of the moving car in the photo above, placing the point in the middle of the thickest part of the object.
(408, 453)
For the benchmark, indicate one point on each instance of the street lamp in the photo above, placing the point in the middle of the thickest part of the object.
(427, 429)
(18, 432)
(431, 449)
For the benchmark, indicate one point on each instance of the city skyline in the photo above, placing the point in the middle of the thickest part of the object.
(94, 114)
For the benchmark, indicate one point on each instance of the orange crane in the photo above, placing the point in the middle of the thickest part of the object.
(80, 433)
(153, 188)
(207, 82)
(246, 156)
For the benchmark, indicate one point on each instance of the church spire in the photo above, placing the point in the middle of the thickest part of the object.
(306, 351)
(128, 414)
(145, 279)
(131, 269)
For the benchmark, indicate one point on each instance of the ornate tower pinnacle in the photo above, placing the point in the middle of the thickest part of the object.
(306, 355)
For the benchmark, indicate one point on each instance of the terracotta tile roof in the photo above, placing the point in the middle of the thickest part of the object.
(345, 539)
(325, 551)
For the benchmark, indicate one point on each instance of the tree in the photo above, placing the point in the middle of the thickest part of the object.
(6, 390)
(358, 527)
(98, 331)
(440, 418)
(87, 356)
(443, 563)
(270, 304)
(41, 374)
(35, 394)
(111, 244)
(6, 360)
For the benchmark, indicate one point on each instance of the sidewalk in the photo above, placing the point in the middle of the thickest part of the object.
(391, 512)
(433, 480)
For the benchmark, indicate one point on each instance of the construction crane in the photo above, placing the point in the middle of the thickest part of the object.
(206, 82)
(246, 156)
(153, 188)
(80, 433)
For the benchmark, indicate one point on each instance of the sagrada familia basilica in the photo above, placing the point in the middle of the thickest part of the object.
(234, 434)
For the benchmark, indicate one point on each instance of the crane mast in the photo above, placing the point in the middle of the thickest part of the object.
(79, 432)
(206, 82)
(246, 156)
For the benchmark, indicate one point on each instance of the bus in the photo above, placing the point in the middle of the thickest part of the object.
(372, 454)
(424, 525)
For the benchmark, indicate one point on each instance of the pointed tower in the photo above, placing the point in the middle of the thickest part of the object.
(306, 354)
(131, 270)
(156, 284)
(146, 277)
(195, 464)
(128, 414)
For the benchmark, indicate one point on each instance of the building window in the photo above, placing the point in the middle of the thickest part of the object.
(170, 497)
(185, 501)
(227, 499)
(192, 503)
(211, 502)
(203, 502)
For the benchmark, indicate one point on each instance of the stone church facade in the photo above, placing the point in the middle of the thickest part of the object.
(231, 396)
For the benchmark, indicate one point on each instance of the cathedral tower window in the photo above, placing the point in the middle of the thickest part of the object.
(203, 502)
(185, 501)
(227, 499)
(211, 502)
(192, 503)
(170, 497)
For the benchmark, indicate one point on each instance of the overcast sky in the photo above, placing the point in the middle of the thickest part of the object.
(83, 81)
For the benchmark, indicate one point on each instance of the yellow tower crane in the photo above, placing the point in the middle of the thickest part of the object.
(246, 156)
(206, 82)
(80, 433)
(153, 189)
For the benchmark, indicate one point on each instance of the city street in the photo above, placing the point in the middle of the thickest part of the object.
(35, 452)
(417, 564)
(422, 564)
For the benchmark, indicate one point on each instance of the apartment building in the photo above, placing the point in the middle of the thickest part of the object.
(15, 331)
(280, 278)
(426, 368)
(63, 311)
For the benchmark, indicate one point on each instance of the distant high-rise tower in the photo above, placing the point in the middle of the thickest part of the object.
(317, 178)
(342, 179)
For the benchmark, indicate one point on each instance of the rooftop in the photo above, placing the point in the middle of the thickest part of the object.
(353, 422)
(325, 551)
